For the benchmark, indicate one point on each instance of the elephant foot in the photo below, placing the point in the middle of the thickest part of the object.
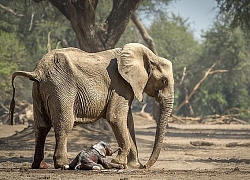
(130, 165)
(39, 165)
(135, 165)
(43, 165)
(119, 161)
(60, 164)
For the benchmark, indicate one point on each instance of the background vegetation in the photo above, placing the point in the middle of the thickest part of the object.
(24, 39)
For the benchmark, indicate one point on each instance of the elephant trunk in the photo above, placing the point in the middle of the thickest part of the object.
(166, 106)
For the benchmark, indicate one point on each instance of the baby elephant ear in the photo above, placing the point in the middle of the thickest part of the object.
(133, 67)
(100, 148)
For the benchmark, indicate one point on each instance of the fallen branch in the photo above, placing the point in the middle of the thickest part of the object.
(175, 118)
(4, 107)
(234, 144)
(210, 119)
(201, 143)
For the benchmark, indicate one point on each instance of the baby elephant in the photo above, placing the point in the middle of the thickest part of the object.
(94, 158)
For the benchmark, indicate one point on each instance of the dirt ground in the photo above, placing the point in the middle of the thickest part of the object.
(195, 151)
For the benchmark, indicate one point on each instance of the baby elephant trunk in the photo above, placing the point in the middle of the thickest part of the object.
(118, 149)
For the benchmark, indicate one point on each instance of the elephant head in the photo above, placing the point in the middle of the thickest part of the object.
(148, 73)
(104, 149)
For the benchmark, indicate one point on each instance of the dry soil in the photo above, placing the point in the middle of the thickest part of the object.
(218, 152)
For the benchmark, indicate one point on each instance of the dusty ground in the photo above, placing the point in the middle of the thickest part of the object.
(178, 159)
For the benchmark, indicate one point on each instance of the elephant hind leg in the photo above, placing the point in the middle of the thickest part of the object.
(42, 128)
(63, 124)
(60, 155)
(40, 134)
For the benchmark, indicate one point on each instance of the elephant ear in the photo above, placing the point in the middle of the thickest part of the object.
(133, 67)
(100, 148)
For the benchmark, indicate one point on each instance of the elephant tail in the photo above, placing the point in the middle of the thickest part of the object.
(32, 76)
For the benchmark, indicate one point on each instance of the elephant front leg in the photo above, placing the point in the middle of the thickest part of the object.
(133, 160)
(124, 132)
(117, 116)
(122, 136)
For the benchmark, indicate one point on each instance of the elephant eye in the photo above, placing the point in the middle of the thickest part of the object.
(164, 81)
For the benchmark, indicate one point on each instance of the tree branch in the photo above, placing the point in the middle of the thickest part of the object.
(209, 71)
(10, 10)
(49, 42)
(182, 78)
(144, 33)
(218, 71)
(60, 5)
(32, 18)
(118, 19)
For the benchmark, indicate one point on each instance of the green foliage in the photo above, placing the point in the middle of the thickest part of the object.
(223, 91)
(12, 53)
(24, 39)
(239, 11)
(175, 41)
(46, 19)
(131, 34)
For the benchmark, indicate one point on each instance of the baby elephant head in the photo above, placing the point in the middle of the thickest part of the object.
(104, 149)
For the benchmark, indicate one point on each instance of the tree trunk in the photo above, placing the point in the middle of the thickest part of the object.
(93, 37)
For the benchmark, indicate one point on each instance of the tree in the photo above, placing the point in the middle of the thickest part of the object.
(12, 53)
(93, 37)
(41, 20)
(222, 93)
(32, 23)
(238, 10)
(24, 28)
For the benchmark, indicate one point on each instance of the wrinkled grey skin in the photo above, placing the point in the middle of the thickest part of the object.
(94, 158)
(72, 86)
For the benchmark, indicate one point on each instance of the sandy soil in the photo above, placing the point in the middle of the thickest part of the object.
(179, 159)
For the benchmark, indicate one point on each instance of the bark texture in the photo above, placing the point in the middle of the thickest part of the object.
(94, 37)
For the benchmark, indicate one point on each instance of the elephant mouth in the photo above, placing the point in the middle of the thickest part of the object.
(158, 95)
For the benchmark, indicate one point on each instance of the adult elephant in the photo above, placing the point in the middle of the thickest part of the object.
(72, 86)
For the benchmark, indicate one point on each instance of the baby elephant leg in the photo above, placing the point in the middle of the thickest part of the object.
(110, 165)
(90, 166)
(114, 165)
(73, 164)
